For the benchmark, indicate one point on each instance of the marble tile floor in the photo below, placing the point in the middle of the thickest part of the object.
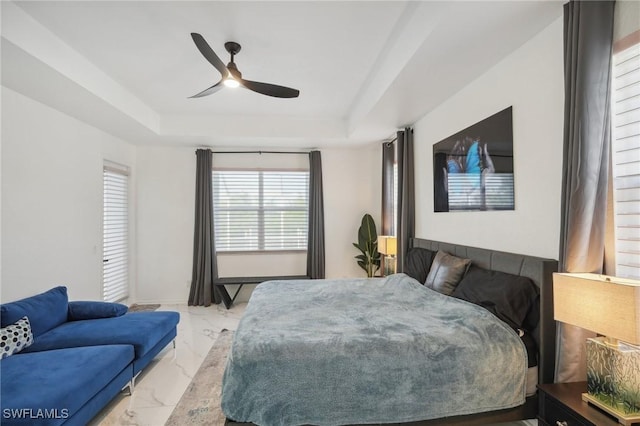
(160, 386)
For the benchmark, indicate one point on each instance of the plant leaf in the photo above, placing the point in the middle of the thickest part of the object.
(367, 243)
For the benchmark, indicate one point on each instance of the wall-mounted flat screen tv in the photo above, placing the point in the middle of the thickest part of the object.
(473, 169)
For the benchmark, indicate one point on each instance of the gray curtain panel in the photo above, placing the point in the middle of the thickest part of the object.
(588, 37)
(315, 244)
(205, 267)
(388, 159)
(405, 228)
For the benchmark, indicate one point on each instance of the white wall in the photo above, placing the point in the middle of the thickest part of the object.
(166, 191)
(52, 189)
(626, 18)
(52, 200)
(165, 207)
(530, 80)
(352, 180)
(52, 209)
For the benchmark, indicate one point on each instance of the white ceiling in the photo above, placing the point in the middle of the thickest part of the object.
(364, 69)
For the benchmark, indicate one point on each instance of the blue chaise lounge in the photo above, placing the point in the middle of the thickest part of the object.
(81, 355)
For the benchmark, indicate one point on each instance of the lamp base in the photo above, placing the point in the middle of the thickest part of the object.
(623, 419)
(389, 265)
(613, 379)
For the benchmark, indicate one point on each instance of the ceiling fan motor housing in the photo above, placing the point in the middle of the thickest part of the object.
(232, 47)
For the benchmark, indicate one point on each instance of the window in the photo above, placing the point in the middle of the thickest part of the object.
(395, 198)
(260, 210)
(625, 107)
(389, 189)
(115, 261)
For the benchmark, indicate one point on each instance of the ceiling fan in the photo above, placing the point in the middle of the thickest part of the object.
(231, 77)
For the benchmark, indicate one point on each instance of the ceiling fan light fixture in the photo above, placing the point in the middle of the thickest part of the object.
(231, 82)
(231, 77)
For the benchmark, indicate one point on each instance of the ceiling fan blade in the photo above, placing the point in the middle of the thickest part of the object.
(270, 89)
(209, 54)
(210, 90)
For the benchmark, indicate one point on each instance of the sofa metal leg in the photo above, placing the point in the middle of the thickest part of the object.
(132, 383)
(128, 388)
(175, 352)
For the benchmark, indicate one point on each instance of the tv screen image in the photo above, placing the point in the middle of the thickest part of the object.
(473, 169)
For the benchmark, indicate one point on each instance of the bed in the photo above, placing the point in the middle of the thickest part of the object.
(333, 352)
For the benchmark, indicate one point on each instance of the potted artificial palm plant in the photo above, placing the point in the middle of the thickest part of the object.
(369, 259)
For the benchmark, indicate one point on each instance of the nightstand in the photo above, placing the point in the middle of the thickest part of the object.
(560, 404)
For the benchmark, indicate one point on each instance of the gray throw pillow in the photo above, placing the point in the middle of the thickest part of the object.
(446, 272)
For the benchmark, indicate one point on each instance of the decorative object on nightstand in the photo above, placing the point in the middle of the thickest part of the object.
(388, 246)
(609, 306)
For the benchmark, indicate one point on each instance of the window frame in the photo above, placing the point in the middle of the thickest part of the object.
(630, 42)
(122, 292)
(260, 210)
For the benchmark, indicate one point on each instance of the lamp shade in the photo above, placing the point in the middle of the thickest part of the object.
(387, 245)
(606, 305)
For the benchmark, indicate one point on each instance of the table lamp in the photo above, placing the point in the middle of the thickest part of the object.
(387, 245)
(610, 307)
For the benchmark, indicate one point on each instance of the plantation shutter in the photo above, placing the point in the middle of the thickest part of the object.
(115, 261)
(260, 210)
(626, 160)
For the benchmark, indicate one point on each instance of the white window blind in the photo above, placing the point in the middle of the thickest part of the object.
(260, 210)
(395, 198)
(626, 160)
(115, 261)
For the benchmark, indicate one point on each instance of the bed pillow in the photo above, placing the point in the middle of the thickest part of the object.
(15, 337)
(512, 298)
(84, 310)
(446, 272)
(418, 263)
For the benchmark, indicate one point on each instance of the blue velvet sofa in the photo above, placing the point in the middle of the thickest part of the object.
(81, 356)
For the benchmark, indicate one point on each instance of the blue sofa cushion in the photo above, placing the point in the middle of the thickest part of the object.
(83, 310)
(58, 381)
(45, 311)
(143, 330)
(15, 337)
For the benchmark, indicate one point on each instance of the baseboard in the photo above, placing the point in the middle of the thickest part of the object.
(160, 301)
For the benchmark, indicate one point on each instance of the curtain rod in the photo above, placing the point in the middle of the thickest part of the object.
(261, 152)
(388, 142)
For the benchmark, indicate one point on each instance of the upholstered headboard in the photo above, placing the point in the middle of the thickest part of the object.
(539, 270)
